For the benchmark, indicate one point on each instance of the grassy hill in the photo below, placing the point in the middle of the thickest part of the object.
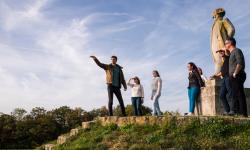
(214, 133)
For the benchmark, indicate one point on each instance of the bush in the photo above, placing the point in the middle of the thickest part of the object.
(25, 131)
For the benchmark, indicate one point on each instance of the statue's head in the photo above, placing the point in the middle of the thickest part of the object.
(218, 13)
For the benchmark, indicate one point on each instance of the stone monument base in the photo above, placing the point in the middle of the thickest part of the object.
(209, 103)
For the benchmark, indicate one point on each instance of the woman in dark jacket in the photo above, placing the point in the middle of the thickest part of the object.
(195, 83)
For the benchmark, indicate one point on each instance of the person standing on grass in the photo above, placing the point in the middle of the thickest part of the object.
(237, 76)
(156, 92)
(137, 95)
(195, 83)
(114, 78)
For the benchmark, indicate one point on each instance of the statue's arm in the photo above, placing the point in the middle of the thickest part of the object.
(229, 27)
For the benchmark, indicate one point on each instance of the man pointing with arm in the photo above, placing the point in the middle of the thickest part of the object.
(114, 80)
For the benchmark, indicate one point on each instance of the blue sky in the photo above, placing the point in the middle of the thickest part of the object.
(45, 47)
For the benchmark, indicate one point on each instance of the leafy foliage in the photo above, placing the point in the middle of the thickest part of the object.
(21, 130)
(29, 130)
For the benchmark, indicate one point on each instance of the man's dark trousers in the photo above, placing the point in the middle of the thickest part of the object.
(226, 93)
(111, 91)
(239, 104)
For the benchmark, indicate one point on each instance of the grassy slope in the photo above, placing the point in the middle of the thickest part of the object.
(212, 134)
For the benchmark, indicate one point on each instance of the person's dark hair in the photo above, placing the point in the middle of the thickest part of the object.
(136, 78)
(157, 73)
(232, 40)
(115, 57)
(195, 68)
(200, 71)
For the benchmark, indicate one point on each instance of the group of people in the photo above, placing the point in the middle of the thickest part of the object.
(232, 86)
(233, 77)
(115, 79)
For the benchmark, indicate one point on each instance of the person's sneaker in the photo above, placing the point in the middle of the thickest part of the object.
(190, 114)
(231, 113)
(225, 113)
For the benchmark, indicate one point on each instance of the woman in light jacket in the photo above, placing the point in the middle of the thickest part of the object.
(137, 95)
(156, 92)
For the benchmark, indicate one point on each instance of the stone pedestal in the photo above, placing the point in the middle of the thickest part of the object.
(209, 103)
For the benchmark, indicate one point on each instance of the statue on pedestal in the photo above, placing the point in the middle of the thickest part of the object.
(222, 28)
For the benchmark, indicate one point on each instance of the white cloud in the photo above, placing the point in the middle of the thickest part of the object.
(14, 18)
(60, 73)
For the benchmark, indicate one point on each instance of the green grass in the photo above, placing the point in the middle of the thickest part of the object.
(214, 133)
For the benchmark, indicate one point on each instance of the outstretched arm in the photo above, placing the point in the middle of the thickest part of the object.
(216, 75)
(103, 66)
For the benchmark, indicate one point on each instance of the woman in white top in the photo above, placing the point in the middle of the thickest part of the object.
(137, 95)
(156, 92)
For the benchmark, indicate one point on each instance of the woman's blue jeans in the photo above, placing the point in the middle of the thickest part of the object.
(193, 94)
(136, 102)
(157, 110)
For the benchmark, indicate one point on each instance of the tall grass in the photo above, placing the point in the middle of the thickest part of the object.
(215, 133)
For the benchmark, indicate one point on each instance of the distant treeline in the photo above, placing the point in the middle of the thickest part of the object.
(23, 130)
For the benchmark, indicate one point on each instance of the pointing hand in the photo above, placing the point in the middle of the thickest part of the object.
(93, 57)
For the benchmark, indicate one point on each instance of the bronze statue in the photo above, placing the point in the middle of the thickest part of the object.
(222, 29)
